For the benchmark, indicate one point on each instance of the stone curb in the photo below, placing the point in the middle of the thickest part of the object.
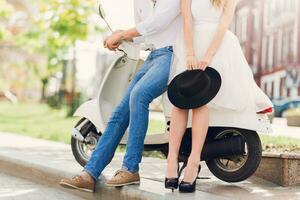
(148, 190)
(280, 168)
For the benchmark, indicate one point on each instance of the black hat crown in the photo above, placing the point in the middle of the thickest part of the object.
(194, 88)
(194, 83)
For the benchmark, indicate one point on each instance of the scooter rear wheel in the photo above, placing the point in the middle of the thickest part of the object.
(240, 167)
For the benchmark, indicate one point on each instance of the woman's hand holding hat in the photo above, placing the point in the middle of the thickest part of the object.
(202, 64)
(191, 62)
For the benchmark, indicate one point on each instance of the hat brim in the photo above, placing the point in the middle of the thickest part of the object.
(180, 101)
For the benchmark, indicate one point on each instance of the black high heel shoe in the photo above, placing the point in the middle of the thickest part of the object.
(187, 187)
(172, 183)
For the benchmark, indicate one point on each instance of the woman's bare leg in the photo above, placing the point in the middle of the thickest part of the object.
(199, 131)
(178, 125)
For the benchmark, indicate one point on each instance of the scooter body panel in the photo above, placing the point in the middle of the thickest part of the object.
(227, 118)
(112, 89)
(91, 109)
(115, 83)
(87, 110)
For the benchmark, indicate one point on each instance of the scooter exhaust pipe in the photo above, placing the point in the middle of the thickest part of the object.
(215, 148)
(233, 145)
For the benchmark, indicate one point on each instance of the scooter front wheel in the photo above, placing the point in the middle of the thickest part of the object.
(238, 167)
(82, 150)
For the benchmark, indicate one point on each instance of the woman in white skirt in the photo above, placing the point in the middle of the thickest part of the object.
(206, 41)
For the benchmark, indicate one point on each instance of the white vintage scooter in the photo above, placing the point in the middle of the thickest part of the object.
(232, 153)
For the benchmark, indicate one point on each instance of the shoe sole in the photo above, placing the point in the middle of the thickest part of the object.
(123, 184)
(174, 188)
(186, 191)
(67, 185)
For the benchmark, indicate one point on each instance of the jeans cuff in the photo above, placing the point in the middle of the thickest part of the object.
(124, 167)
(91, 174)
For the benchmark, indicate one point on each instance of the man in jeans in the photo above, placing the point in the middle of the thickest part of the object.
(158, 22)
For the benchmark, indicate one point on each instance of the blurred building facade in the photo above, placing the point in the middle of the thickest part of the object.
(269, 33)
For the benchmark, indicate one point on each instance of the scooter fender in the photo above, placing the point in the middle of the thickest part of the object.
(87, 110)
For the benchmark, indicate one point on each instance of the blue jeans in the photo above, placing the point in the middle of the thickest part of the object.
(133, 111)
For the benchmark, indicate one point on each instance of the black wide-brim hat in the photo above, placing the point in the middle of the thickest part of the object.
(194, 88)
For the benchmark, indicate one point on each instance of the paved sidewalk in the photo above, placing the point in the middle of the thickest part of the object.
(12, 188)
(48, 161)
(57, 157)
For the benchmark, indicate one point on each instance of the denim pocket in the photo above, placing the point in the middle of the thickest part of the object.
(162, 52)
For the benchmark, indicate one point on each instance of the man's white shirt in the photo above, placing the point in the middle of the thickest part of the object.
(158, 24)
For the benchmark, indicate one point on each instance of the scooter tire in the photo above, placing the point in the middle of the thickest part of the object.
(87, 128)
(248, 169)
(76, 154)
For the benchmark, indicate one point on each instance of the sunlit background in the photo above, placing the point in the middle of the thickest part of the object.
(52, 60)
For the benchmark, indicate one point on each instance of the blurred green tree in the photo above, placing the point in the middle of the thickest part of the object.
(55, 31)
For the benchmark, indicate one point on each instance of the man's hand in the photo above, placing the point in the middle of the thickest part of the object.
(113, 41)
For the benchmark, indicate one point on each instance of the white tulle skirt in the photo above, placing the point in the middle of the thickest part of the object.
(239, 95)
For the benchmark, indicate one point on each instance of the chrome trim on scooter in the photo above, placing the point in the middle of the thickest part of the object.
(77, 135)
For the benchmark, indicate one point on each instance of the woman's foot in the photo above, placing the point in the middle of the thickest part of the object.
(172, 168)
(191, 171)
(188, 184)
(172, 179)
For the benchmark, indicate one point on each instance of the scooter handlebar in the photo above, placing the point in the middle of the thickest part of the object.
(130, 49)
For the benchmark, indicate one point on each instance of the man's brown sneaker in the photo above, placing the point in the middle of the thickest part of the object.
(123, 177)
(77, 182)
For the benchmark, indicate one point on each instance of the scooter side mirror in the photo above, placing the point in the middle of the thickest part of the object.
(101, 12)
(102, 15)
